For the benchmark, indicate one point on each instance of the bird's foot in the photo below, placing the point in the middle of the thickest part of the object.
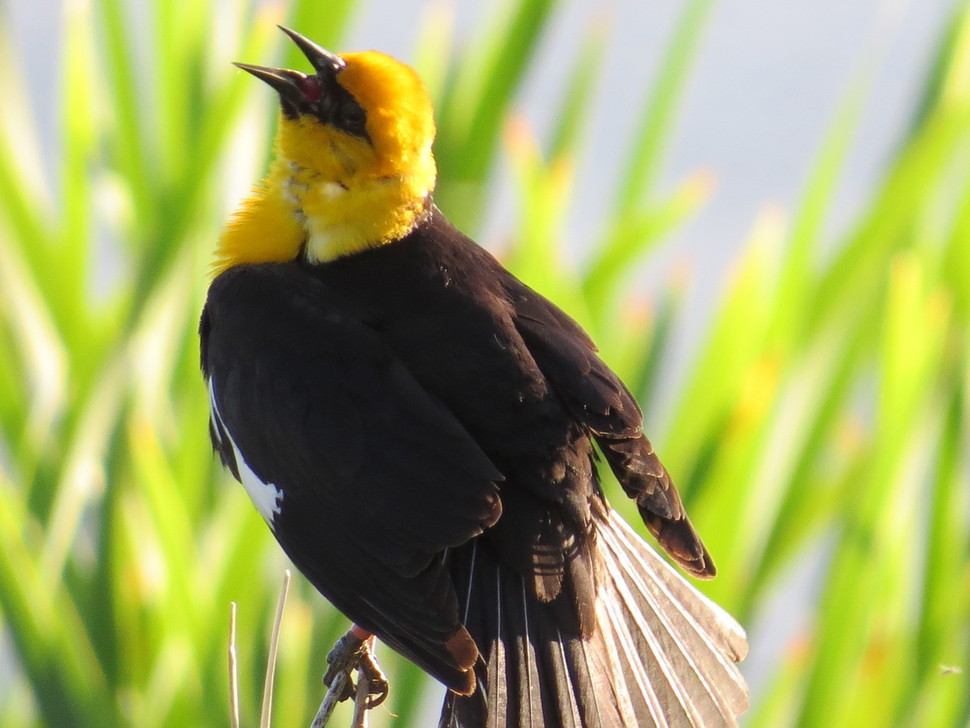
(371, 673)
(341, 661)
(352, 652)
(355, 651)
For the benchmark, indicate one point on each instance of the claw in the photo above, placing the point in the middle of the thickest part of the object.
(352, 652)
(370, 671)
(342, 660)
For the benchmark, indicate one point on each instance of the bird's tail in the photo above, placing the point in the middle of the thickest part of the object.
(661, 655)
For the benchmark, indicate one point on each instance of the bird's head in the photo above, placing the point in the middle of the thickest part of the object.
(354, 167)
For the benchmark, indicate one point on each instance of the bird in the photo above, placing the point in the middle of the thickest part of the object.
(422, 432)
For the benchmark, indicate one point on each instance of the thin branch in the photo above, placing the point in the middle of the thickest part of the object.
(336, 693)
(361, 703)
(233, 670)
(265, 718)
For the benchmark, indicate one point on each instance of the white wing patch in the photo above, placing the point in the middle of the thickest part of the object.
(267, 497)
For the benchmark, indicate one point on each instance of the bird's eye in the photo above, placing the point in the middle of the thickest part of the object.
(351, 117)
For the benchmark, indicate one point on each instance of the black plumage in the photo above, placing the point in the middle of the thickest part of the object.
(430, 423)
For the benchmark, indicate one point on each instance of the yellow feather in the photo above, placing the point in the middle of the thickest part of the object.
(336, 192)
(264, 229)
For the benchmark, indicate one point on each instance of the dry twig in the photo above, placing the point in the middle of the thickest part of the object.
(348, 654)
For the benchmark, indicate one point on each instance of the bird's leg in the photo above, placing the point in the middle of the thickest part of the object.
(350, 652)
(343, 658)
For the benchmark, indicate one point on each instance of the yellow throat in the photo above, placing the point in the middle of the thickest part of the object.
(353, 168)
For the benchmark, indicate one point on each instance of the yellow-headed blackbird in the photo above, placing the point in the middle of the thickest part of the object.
(418, 428)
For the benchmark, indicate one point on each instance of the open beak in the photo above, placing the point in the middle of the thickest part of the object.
(296, 88)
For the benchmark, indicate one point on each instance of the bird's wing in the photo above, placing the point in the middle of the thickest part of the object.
(373, 479)
(597, 397)
(569, 360)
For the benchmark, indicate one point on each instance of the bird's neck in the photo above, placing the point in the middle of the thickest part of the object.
(298, 211)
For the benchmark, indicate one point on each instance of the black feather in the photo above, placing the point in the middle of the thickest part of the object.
(430, 421)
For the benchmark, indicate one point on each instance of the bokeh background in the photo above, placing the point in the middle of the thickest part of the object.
(761, 212)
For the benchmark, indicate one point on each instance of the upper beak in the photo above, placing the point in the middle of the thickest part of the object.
(291, 85)
(323, 61)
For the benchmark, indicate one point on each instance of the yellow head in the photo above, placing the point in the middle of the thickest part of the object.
(353, 168)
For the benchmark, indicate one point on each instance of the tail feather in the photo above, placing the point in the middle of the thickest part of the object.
(635, 695)
(580, 684)
(585, 679)
(689, 645)
(661, 655)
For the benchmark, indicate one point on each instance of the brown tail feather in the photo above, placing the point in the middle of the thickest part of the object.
(662, 654)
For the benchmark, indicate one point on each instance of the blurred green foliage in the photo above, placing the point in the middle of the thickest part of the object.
(826, 411)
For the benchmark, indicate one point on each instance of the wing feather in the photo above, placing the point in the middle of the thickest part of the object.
(377, 477)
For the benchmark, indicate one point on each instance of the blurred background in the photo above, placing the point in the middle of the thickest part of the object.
(760, 211)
